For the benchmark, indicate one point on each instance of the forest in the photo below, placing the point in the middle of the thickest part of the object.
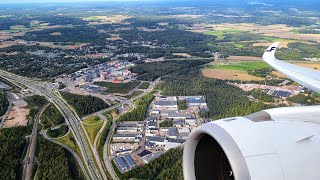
(35, 102)
(220, 103)
(26, 64)
(55, 133)
(168, 166)
(151, 71)
(304, 99)
(51, 117)
(166, 123)
(121, 88)
(84, 105)
(138, 114)
(83, 34)
(260, 95)
(11, 151)
(55, 162)
(4, 103)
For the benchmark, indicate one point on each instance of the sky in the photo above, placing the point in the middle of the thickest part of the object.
(45, 1)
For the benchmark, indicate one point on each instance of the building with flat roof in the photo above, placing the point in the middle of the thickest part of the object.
(196, 102)
(176, 115)
(157, 140)
(150, 157)
(121, 164)
(129, 161)
(126, 138)
(172, 132)
(166, 104)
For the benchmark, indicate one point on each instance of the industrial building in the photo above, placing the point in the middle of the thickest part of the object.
(126, 138)
(150, 157)
(172, 132)
(125, 162)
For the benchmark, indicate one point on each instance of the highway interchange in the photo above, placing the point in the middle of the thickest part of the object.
(72, 119)
(91, 164)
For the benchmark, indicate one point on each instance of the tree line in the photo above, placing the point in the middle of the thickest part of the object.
(51, 117)
(167, 166)
(55, 162)
(12, 146)
(84, 105)
(151, 71)
(139, 113)
(4, 103)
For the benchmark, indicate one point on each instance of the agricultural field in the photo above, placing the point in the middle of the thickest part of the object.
(242, 66)
(95, 20)
(238, 70)
(229, 75)
(276, 32)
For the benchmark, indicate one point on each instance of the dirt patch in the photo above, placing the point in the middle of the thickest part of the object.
(182, 54)
(244, 58)
(56, 34)
(150, 30)
(267, 44)
(229, 75)
(94, 20)
(163, 24)
(114, 37)
(278, 74)
(309, 65)
(17, 115)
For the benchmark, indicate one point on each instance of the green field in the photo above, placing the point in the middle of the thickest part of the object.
(221, 34)
(244, 66)
(69, 141)
(92, 126)
(144, 85)
(275, 39)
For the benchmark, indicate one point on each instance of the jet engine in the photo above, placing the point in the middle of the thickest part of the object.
(274, 144)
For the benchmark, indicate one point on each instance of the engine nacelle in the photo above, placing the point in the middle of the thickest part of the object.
(275, 144)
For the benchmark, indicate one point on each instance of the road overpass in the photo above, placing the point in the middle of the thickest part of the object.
(71, 117)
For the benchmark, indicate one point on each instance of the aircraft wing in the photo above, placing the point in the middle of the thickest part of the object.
(309, 78)
(278, 144)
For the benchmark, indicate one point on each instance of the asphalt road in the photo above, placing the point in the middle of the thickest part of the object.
(72, 119)
(29, 159)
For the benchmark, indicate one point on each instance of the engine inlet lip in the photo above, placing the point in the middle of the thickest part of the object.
(226, 142)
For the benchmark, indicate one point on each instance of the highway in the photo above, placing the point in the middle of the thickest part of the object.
(72, 119)
(75, 155)
(29, 159)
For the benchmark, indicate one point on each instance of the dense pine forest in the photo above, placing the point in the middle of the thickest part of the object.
(138, 114)
(84, 104)
(12, 144)
(3, 103)
(55, 162)
(168, 166)
(220, 103)
(51, 117)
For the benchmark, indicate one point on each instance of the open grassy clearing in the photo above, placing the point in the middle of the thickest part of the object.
(229, 75)
(243, 66)
(94, 20)
(244, 58)
(92, 120)
(92, 126)
(69, 141)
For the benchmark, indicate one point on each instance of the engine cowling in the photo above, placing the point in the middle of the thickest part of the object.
(275, 144)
